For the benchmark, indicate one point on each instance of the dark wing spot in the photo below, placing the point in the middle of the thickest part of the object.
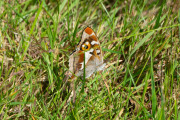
(92, 53)
(98, 51)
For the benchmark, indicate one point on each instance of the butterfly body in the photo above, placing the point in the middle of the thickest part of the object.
(88, 54)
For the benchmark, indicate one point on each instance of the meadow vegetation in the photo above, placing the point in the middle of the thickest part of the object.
(141, 45)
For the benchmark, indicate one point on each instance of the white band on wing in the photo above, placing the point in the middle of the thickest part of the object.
(94, 42)
(87, 57)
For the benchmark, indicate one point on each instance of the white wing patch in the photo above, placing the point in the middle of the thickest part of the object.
(87, 43)
(85, 35)
(92, 34)
(98, 51)
(87, 56)
(94, 42)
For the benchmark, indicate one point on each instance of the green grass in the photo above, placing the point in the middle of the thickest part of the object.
(141, 45)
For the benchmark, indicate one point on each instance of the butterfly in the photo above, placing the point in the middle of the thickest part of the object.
(88, 55)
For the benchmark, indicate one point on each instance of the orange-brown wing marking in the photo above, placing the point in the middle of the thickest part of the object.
(81, 59)
(93, 37)
(88, 30)
(95, 53)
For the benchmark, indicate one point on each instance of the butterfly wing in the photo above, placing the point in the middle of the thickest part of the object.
(88, 52)
(74, 63)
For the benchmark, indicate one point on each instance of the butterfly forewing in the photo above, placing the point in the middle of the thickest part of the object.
(89, 52)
